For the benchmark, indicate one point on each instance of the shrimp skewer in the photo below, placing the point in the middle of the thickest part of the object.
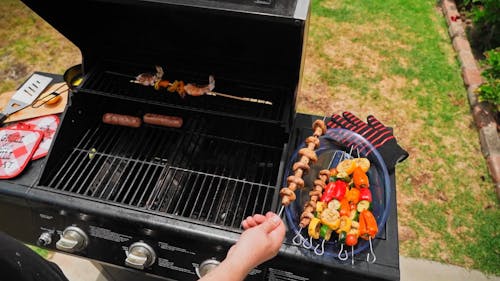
(192, 89)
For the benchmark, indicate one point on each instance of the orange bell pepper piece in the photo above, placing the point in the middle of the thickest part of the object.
(367, 225)
(345, 208)
(360, 178)
(353, 196)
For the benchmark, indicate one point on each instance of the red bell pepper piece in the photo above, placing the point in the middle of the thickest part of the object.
(334, 190)
(327, 195)
(365, 194)
(340, 190)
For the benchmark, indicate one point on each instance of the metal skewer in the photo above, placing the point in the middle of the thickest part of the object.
(352, 255)
(280, 212)
(320, 253)
(342, 258)
(210, 93)
(307, 246)
(371, 252)
(298, 236)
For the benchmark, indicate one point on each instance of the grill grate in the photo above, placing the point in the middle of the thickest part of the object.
(190, 173)
(110, 83)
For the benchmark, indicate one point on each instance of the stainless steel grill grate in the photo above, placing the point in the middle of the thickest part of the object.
(190, 173)
(117, 84)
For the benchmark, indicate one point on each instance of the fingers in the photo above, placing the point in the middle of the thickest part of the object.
(271, 223)
(248, 223)
(269, 215)
(253, 221)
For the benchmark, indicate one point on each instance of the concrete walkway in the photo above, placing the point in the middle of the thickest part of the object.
(424, 270)
(77, 269)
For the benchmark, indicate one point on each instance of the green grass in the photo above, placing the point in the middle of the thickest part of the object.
(445, 193)
(29, 44)
(42, 252)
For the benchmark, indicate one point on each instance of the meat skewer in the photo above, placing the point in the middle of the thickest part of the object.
(307, 215)
(301, 167)
(149, 79)
(156, 80)
(314, 194)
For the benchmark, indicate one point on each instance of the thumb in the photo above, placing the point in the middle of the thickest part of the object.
(271, 223)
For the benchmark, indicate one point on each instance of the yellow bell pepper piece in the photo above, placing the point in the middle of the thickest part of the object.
(320, 206)
(314, 228)
(345, 224)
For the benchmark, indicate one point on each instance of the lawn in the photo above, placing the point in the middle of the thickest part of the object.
(389, 58)
(393, 59)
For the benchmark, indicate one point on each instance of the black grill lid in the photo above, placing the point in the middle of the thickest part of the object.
(260, 41)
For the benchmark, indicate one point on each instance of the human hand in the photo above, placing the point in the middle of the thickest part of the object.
(260, 241)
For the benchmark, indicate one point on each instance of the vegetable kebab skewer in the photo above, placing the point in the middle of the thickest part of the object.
(344, 208)
(301, 167)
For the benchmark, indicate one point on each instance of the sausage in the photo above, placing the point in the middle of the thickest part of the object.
(121, 120)
(163, 120)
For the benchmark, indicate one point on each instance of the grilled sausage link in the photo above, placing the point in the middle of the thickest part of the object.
(314, 195)
(121, 120)
(301, 167)
(162, 120)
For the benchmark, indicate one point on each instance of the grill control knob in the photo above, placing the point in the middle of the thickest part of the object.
(45, 239)
(140, 255)
(206, 266)
(72, 240)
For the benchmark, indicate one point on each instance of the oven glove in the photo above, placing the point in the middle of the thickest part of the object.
(380, 136)
(16, 149)
(47, 125)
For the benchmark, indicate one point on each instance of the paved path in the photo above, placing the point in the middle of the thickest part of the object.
(424, 270)
(77, 269)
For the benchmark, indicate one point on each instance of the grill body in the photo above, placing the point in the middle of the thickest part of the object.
(181, 191)
(181, 243)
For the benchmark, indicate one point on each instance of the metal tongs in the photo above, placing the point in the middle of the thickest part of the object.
(26, 95)
(49, 96)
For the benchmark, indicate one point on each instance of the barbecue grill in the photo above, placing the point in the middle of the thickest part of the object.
(169, 201)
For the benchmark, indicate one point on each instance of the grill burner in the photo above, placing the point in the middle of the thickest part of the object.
(188, 173)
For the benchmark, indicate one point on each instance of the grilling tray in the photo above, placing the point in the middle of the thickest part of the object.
(168, 200)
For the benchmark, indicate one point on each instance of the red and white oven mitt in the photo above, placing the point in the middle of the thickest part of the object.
(45, 124)
(16, 150)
